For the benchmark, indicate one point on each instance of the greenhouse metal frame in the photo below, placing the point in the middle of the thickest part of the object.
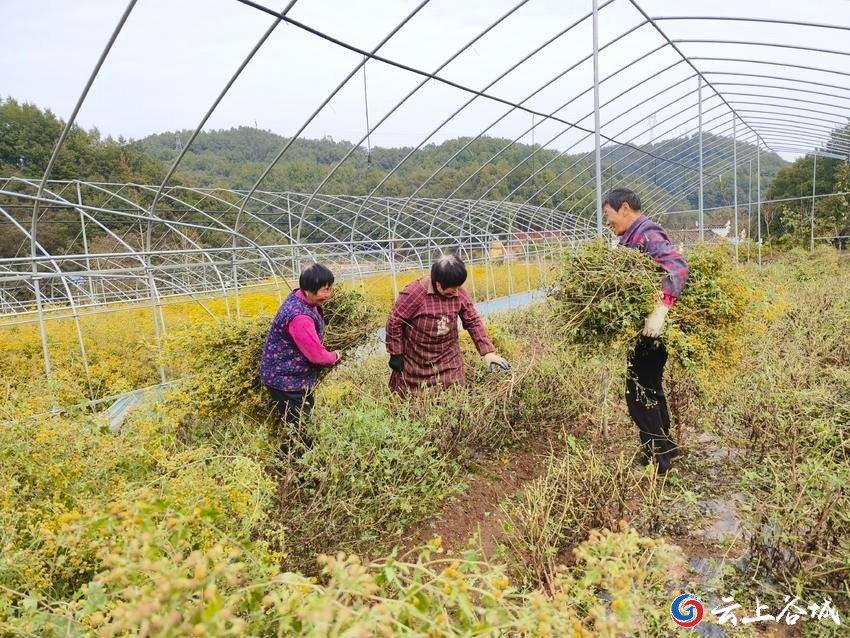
(170, 241)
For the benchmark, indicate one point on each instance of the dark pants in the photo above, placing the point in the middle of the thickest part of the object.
(295, 408)
(646, 401)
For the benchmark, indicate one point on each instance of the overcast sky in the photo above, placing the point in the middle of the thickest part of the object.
(174, 56)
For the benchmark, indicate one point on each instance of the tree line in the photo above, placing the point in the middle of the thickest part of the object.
(463, 168)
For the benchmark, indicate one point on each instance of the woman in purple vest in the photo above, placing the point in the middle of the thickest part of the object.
(294, 350)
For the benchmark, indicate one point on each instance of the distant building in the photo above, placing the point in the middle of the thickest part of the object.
(714, 235)
(516, 244)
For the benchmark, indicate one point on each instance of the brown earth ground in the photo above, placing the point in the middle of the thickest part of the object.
(475, 516)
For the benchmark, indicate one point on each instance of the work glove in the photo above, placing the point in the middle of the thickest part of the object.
(397, 362)
(492, 360)
(653, 327)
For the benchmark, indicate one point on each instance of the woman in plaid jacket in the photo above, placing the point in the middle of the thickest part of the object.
(422, 330)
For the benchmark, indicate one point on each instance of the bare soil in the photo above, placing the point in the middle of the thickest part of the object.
(476, 511)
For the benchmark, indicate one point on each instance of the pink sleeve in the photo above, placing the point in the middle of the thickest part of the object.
(303, 332)
(668, 299)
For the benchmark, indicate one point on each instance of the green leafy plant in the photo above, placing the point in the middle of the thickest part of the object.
(222, 359)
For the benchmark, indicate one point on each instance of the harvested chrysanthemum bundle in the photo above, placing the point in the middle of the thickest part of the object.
(601, 297)
(222, 359)
(349, 320)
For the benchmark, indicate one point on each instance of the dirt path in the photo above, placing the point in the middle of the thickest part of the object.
(477, 509)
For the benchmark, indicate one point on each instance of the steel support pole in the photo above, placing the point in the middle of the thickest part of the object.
(735, 180)
(42, 331)
(391, 236)
(749, 209)
(65, 131)
(812, 227)
(758, 197)
(598, 158)
(235, 276)
(85, 242)
(701, 211)
(294, 266)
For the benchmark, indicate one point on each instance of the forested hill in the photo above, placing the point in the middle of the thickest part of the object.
(28, 135)
(235, 157)
(490, 167)
(717, 167)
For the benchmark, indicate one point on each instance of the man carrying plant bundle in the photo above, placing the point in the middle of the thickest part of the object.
(422, 334)
(293, 350)
(644, 384)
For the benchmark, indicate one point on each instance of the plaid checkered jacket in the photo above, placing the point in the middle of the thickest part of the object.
(423, 326)
(647, 236)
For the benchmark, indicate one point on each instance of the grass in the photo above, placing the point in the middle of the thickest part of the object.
(122, 333)
(180, 526)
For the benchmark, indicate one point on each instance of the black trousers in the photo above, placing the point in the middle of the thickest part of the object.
(295, 408)
(646, 400)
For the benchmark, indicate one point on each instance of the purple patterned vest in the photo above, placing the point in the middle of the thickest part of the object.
(282, 366)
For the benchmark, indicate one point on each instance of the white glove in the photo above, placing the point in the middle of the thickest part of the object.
(492, 360)
(654, 324)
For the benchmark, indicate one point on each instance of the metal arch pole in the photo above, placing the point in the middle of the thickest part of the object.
(701, 208)
(293, 249)
(581, 161)
(767, 76)
(781, 99)
(758, 198)
(390, 236)
(221, 227)
(327, 100)
(749, 209)
(427, 76)
(596, 124)
(613, 139)
(793, 89)
(780, 45)
(468, 219)
(815, 130)
(797, 23)
(234, 246)
(206, 117)
(821, 138)
(74, 314)
(767, 63)
(777, 200)
(149, 215)
(85, 242)
(799, 150)
(804, 144)
(589, 131)
(34, 226)
(735, 178)
(839, 121)
(689, 60)
(624, 169)
(812, 227)
(492, 124)
(218, 100)
(587, 169)
(546, 117)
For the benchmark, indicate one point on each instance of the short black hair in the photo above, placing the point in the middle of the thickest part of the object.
(449, 271)
(314, 277)
(619, 196)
